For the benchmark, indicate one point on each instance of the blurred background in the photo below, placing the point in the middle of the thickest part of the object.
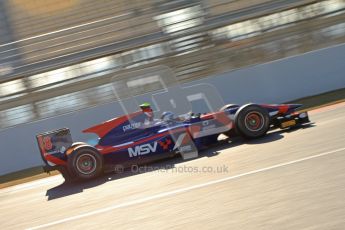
(58, 56)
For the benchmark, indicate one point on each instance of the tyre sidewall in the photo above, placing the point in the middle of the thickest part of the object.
(72, 163)
(240, 121)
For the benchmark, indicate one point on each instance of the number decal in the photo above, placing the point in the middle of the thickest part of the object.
(47, 143)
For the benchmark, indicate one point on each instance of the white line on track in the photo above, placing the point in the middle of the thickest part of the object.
(181, 190)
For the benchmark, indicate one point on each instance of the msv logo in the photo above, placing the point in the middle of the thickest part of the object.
(148, 148)
(142, 149)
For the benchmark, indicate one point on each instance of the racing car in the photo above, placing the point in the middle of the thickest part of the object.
(138, 138)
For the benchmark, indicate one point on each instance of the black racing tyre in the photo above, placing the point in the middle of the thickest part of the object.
(85, 163)
(252, 121)
(230, 133)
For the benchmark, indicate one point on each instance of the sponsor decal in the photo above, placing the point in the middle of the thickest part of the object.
(142, 149)
(165, 144)
(61, 150)
(131, 126)
(47, 143)
(148, 148)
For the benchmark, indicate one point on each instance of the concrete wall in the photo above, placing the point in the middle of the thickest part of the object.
(275, 82)
(285, 80)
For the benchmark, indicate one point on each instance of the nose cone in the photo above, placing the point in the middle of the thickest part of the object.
(295, 106)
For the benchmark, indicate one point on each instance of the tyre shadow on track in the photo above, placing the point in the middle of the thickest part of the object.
(67, 189)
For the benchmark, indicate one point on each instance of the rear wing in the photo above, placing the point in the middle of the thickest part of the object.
(53, 144)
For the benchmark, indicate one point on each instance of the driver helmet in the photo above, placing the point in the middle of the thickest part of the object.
(146, 109)
(168, 116)
(145, 106)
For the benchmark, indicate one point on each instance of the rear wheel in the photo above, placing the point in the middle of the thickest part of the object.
(85, 163)
(252, 121)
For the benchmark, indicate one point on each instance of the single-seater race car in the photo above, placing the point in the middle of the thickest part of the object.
(138, 138)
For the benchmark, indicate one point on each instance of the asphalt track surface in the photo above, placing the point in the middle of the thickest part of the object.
(287, 180)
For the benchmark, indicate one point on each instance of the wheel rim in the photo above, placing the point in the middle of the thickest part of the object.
(86, 164)
(254, 121)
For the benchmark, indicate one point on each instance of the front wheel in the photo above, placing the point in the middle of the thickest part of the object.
(229, 106)
(85, 163)
(230, 133)
(252, 121)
